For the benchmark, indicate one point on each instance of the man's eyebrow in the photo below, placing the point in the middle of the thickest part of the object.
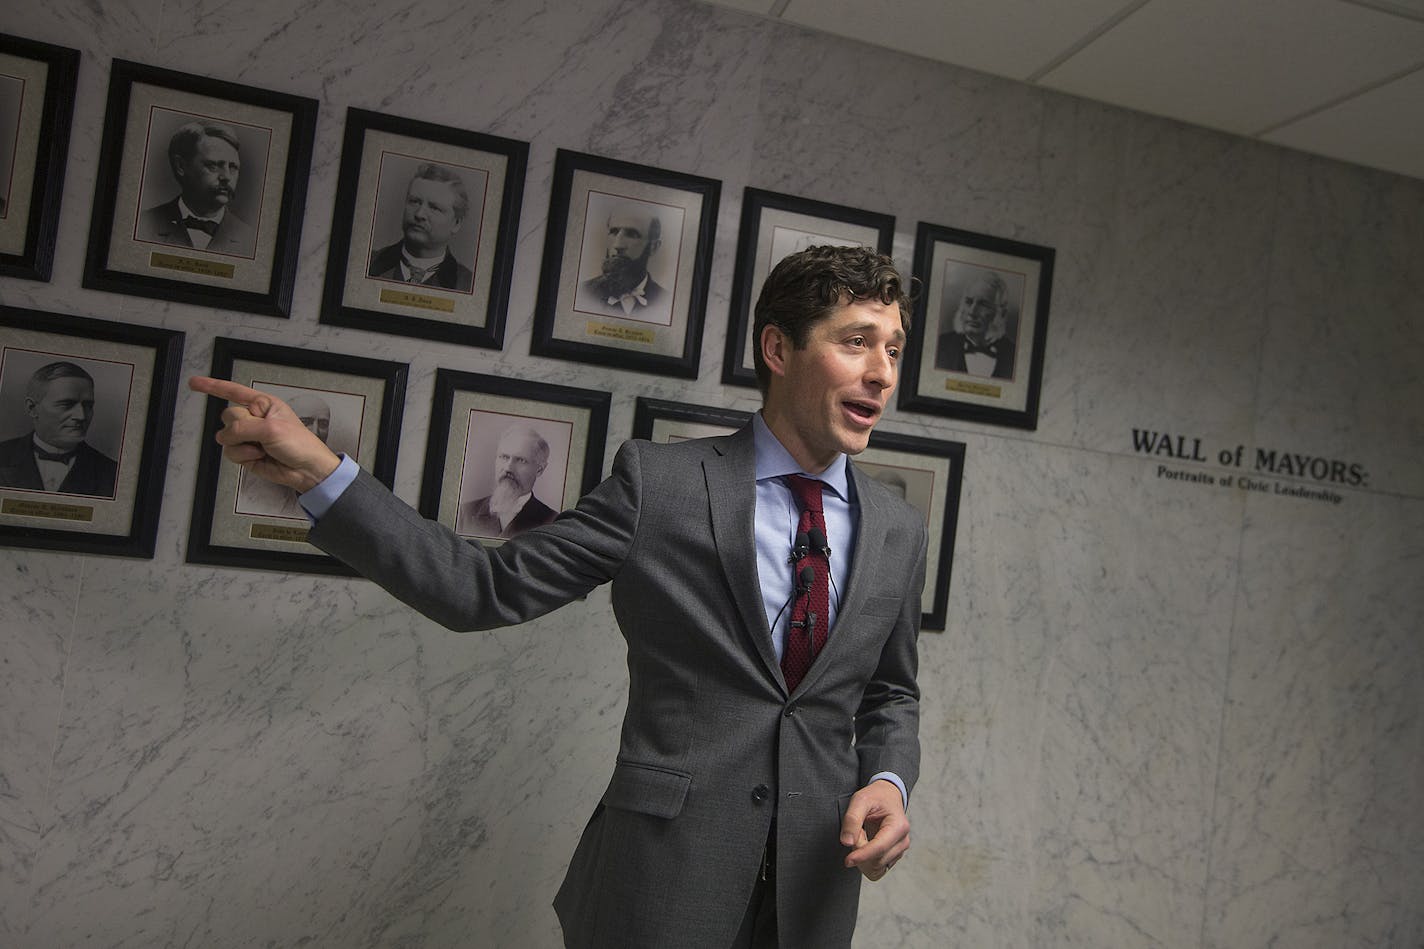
(869, 326)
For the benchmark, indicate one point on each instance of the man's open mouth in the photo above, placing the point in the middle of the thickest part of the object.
(864, 411)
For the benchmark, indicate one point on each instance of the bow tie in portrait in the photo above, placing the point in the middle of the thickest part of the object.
(200, 224)
(988, 349)
(635, 296)
(61, 456)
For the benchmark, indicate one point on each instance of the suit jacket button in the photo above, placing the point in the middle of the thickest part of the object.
(790, 711)
(760, 793)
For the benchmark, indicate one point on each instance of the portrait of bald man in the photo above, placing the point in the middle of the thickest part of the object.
(632, 233)
(265, 499)
(54, 457)
(205, 161)
(436, 207)
(974, 333)
(510, 509)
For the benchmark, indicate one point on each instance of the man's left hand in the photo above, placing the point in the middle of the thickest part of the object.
(876, 828)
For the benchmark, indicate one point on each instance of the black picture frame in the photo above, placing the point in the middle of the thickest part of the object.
(37, 85)
(113, 508)
(136, 244)
(471, 418)
(931, 472)
(572, 319)
(381, 157)
(662, 421)
(260, 525)
(1000, 387)
(774, 225)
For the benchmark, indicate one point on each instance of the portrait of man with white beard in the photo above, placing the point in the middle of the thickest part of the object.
(520, 458)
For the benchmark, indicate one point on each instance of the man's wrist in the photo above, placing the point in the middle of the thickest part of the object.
(320, 497)
(894, 779)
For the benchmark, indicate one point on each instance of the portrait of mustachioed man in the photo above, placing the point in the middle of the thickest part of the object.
(438, 222)
(202, 184)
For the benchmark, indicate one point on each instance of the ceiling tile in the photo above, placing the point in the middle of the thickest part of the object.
(1013, 38)
(1240, 65)
(1381, 128)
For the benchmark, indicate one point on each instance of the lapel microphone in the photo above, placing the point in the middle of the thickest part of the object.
(801, 548)
(804, 578)
(818, 542)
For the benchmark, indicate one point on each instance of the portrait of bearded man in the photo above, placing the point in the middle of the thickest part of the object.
(624, 287)
(510, 508)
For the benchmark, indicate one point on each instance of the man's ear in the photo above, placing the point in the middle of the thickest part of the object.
(774, 347)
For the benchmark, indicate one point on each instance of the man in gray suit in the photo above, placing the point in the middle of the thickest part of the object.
(750, 794)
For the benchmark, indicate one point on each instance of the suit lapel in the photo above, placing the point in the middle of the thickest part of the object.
(731, 489)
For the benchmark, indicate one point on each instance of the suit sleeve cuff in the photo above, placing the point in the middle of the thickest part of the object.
(894, 779)
(319, 499)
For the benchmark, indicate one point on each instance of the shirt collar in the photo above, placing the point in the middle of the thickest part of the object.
(774, 461)
(185, 211)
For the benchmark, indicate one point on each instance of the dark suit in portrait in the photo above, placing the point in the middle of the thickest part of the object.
(92, 472)
(449, 274)
(164, 225)
(672, 852)
(952, 348)
(477, 518)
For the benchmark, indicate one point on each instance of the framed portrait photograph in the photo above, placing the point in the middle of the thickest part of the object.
(352, 403)
(928, 474)
(37, 82)
(981, 323)
(774, 226)
(200, 190)
(86, 417)
(423, 237)
(505, 455)
(626, 262)
(664, 422)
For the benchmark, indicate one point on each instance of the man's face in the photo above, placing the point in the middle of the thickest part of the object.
(979, 307)
(518, 463)
(628, 235)
(429, 220)
(826, 398)
(625, 260)
(314, 413)
(209, 176)
(63, 412)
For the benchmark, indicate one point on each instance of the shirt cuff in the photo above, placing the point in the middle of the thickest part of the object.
(894, 779)
(319, 499)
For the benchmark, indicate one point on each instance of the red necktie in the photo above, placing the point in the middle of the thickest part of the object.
(810, 609)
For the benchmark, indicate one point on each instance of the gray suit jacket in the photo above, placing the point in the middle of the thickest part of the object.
(712, 745)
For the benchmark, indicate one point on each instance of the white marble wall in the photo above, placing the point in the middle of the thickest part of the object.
(1162, 714)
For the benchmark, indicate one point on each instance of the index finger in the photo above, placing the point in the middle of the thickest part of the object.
(224, 389)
